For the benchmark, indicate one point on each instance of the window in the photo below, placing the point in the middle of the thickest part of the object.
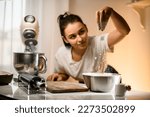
(11, 12)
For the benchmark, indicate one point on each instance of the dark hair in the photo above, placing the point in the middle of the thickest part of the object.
(64, 20)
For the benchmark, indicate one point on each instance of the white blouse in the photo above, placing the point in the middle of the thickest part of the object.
(90, 62)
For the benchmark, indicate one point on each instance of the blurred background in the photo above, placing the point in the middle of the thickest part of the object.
(131, 56)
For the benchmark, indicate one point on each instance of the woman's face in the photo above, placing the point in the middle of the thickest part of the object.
(77, 35)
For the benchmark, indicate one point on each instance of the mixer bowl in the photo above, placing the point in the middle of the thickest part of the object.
(103, 82)
(32, 63)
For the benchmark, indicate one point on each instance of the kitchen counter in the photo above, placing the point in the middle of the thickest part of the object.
(12, 91)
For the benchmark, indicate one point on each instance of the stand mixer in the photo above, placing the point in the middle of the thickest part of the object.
(30, 64)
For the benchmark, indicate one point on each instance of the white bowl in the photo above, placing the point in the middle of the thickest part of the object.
(103, 82)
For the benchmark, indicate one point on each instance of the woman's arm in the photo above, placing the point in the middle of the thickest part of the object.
(122, 29)
(121, 26)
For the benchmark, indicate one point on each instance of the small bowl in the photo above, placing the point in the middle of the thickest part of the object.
(103, 82)
(5, 78)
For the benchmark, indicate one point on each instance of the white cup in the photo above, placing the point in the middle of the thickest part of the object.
(120, 90)
(117, 81)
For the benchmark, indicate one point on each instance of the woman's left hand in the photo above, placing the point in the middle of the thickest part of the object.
(57, 77)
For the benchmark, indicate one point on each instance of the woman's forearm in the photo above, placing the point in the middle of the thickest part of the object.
(120, 24)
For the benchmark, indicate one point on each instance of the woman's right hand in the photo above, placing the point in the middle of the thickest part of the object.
(102, 17)
(57, 77)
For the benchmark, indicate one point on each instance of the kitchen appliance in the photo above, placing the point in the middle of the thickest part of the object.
(30, 64)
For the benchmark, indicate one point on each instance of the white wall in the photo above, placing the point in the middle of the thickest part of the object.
(50, 39)
(132, 55)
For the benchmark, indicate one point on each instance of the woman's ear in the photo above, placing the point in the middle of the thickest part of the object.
(65, 40)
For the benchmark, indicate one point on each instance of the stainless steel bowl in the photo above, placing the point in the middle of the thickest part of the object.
(103, 82)
(32, 63)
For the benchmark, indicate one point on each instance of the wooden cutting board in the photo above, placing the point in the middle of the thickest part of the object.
(63, 87)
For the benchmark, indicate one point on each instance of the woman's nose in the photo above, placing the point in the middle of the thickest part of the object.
(79, 38)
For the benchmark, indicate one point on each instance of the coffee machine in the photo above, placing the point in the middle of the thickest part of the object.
(30, 64)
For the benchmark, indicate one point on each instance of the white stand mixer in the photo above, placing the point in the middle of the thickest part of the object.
(29, 64)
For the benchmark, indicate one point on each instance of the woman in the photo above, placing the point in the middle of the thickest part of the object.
(83, 53)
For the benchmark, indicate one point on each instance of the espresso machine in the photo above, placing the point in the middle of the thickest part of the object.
(30, 64)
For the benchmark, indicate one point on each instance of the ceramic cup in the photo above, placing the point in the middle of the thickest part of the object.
(120, 90)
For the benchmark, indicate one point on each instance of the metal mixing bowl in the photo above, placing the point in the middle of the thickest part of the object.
(32, 63)
(103, 82)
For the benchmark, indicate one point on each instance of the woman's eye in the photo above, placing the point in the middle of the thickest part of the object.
(82, 32)
(72, 37)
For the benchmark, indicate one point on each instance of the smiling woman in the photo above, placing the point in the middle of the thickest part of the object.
(132, 55)
(84, 53)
